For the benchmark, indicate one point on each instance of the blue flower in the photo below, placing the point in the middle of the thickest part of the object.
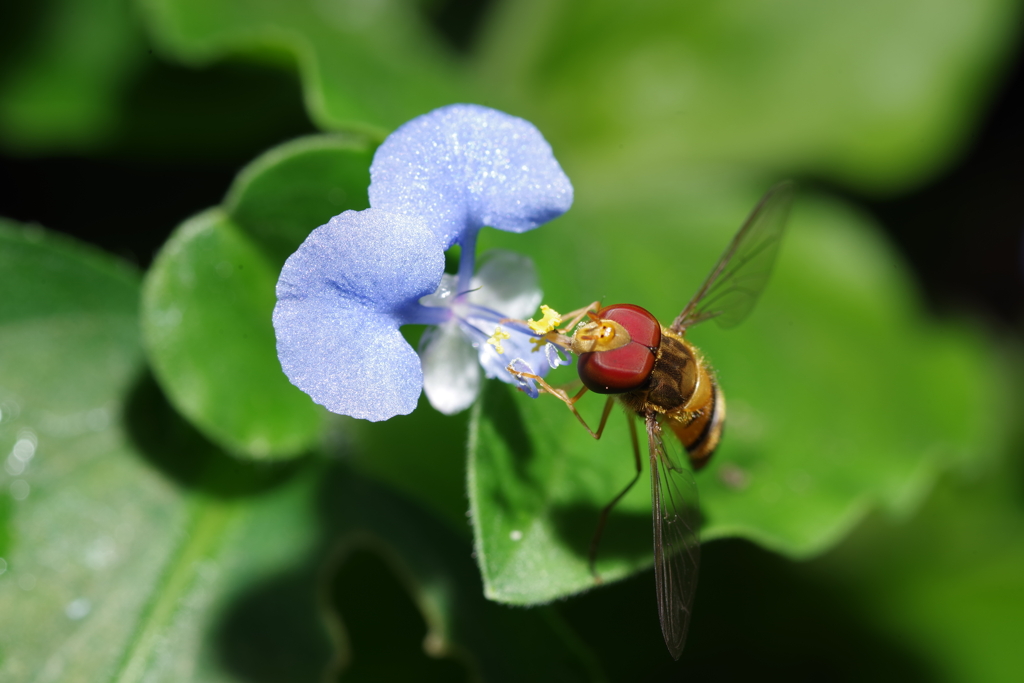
(343, 296)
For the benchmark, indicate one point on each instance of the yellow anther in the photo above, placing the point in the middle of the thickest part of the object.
(496, 339)
(550, 321)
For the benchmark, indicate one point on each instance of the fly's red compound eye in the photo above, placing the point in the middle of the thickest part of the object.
(643, 328)
(628, 367)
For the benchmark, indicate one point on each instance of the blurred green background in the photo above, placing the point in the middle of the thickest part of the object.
(172, 509)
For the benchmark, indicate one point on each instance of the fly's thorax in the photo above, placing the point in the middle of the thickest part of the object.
(680, 381)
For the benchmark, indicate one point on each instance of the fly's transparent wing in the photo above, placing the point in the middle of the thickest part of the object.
(676, 517)
(732, 288)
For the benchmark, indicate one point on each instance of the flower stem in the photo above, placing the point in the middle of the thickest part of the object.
(467, 259)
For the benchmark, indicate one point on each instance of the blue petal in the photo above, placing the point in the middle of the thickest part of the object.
(383, 261)
(341, 299)
(463, 167)
(346, 360)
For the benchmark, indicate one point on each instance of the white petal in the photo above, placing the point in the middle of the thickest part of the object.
(451, 373)
(442, 296)
(518, 345)
(507, 283)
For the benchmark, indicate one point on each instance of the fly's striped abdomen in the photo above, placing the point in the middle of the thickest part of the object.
(700, 431)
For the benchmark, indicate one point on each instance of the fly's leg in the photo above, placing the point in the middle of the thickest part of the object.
(603, 519)
(562, 396)
(580, 313)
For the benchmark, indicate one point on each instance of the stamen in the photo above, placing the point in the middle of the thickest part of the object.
(550, 321)
(496, 339)
(474, 329)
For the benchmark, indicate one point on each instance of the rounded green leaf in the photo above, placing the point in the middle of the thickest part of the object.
(206, 320)
(219, 363)
(841, 395)
(47, 275)
(295, 187)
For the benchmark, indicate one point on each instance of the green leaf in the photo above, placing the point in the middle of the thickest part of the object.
(89, 522)
(207, 308)
(209, 297)
(841, 396)
(875, 94)
(85, 507)
(283, 195)
(236, 526)
(67, 66)
(365, 67)
(42, 274)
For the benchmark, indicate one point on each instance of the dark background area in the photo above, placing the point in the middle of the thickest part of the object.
(961, 232)
(167, 162)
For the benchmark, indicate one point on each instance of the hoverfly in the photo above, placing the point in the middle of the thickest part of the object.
(664, 379)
